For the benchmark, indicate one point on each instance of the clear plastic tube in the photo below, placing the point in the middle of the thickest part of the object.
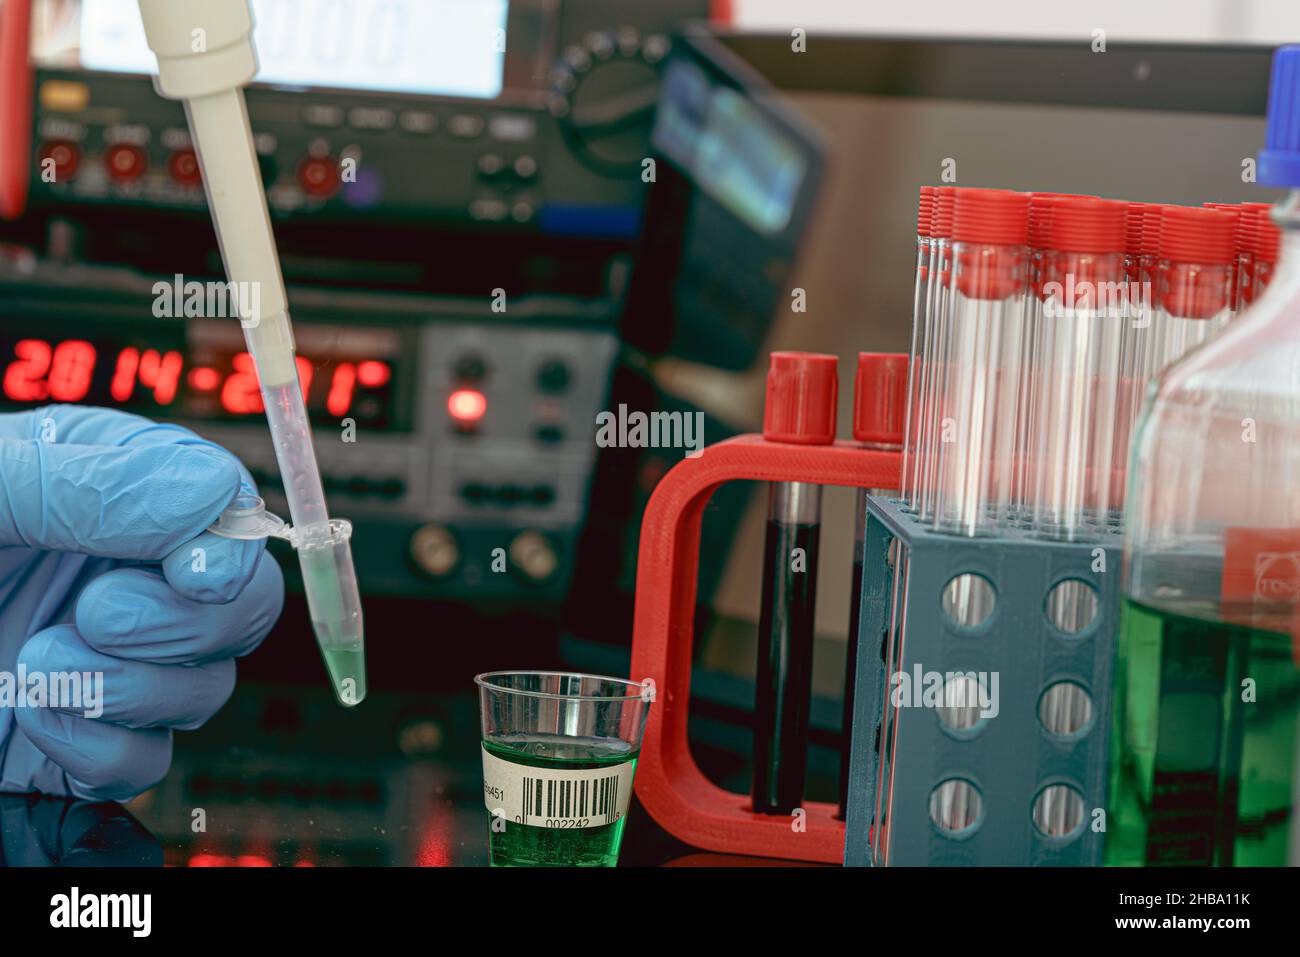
(937, 321)
(1077, 363)
(1136, 320)
(1267, 244)
(978, 382)
(920, 338)
(1193, 283)
(1040, 221)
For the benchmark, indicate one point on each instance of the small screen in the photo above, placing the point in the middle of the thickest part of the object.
(728, 148)
(429, 47)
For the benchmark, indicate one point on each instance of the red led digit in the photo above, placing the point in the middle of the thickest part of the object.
(71, 370)
(373, 374)
(25, 377)
(240, 394)
(162, 373)
(341, 389)
(123, 384)
(168, 377)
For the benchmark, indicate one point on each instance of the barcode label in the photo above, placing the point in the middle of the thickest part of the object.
(547, 797)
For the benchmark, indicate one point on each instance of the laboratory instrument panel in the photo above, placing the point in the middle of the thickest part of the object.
(528, 115)
(453, 209)
(459, 441)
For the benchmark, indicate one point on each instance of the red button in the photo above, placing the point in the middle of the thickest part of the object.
(66, 157)
(125, 162)
(184, 167)
(319, 176)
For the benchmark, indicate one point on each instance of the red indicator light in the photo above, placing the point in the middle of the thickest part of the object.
(65, 157)
(467, 405)
(184, 167)
(205, 859)
(319, 176)
(204, 379)
(125, 162)
(372, 374)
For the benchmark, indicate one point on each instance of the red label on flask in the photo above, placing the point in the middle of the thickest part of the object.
(1261, 571)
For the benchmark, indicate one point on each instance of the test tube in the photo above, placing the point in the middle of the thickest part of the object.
(1193, 282)
(1136, 321)
(936, 312)
(802, 390)
(978, 381)
(920, 339)
(1077, 362)
(1247, 241)
(1040, 219)
(1236, 212)
(1268, 244)
(880, 402)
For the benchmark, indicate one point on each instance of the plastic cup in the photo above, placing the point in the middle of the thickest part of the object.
(559, 754)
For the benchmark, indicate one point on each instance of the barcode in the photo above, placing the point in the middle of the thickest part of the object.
(549, 798)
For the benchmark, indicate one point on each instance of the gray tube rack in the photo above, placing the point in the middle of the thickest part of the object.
(1003, 789)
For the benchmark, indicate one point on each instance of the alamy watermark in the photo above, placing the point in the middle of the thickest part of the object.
(652, 430)
(1126, 299)
(64, 690)
(182, 299)
(956, 691)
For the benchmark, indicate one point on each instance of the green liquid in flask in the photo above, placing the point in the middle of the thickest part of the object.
(526, 845)
(1203, 741)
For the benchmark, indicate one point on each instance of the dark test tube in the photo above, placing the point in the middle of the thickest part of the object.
(785, 652)
(880, 398)
(799, 410)
(851, 655)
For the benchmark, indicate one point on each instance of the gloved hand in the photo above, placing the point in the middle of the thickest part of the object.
(106, 566)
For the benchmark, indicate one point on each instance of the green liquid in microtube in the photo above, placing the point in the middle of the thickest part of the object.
(514, 844)
(1203, 740)
(347, 668)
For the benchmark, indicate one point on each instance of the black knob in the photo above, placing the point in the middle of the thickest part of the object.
(471, 368)
(553, 376)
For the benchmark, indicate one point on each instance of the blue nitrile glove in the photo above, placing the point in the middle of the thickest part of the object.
(106, 567)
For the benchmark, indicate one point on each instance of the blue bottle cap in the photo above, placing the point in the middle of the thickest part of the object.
(1279, 161)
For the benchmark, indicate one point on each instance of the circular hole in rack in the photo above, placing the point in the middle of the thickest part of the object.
(955, 806)
(1072, 605)
(968, 600)
(1065, 708)
(1058, 811)
(963, 700)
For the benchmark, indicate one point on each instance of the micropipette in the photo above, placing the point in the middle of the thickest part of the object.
(205, 57)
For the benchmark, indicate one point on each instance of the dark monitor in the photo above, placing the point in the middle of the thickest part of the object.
(735, 173)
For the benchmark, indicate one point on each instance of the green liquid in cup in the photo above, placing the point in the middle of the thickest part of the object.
(514, 844)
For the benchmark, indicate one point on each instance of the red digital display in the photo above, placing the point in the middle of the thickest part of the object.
(202, 383)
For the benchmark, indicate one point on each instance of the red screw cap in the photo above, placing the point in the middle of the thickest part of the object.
(1192, 234)
(995, 217)
(802, 389)
(880, 398)
(1083, 225)
(925, 211)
